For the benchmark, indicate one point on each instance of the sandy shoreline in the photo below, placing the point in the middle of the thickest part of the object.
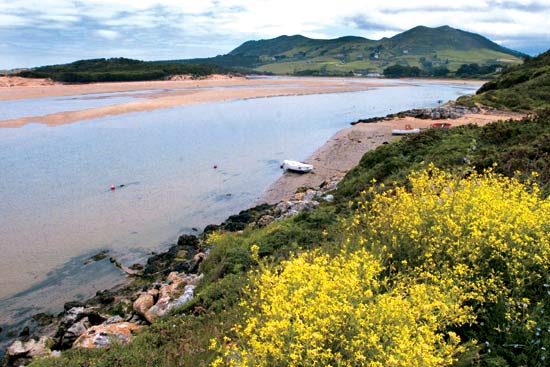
(344, 150)
(166, 94)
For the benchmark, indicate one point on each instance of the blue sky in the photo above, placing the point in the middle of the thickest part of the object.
(34, 33)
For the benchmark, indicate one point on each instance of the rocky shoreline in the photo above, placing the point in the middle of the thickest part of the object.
(165, 282)
(449, 110)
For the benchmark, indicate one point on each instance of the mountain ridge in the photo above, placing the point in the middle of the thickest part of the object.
(421, 46)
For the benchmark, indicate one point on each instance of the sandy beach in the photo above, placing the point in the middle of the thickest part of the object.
(344, 150)
(170, 93)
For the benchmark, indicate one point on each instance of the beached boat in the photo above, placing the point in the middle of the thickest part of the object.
(289, 165)
(405, 131)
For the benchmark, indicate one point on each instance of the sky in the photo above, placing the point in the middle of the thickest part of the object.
(45, 32)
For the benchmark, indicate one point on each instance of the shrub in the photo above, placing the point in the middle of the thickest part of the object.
(318, 310)
(488, 234)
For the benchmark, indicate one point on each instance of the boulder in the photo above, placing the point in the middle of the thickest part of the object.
(329, 198)
(143, 304)
(282, 207)
(113, 320)
(72, 333)
(187, 295)
(19, 353)
(161, 308)
(73, 315)
(100, 336)
(67, 306)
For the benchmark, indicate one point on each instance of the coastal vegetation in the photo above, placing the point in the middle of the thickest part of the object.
(420, 51)
(524, 87)
(119, 70)
(413, 263)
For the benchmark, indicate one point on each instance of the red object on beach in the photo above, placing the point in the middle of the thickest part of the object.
(112, 187)
(444, 125)
(281, 166)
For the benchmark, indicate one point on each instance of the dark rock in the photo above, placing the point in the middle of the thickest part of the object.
(136, 267)
(211, 228)
(97, 257)
(187, 240)
(178, 257)
(25, 332)
(368, 120)
(43, 319)
(105, 297)
(72, 333)
(67, 306)
(240, 221)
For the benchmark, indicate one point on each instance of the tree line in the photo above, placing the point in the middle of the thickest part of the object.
(120, 69)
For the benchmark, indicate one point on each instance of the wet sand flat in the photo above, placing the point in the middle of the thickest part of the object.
(166, 94)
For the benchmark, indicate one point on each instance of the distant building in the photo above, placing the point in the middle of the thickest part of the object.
(405, 52)
(499, 69)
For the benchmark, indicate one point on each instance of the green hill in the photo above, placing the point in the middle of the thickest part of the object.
(118, 69)
(427, 48)
(522, 88)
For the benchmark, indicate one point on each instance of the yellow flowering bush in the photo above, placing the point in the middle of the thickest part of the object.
(488, 234)
(421, 268)
(321, 310)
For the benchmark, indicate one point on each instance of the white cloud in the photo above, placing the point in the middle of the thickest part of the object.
(221, 25)
(107, 34)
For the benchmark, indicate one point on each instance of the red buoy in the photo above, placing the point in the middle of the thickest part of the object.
(113, 187)
(215, 166)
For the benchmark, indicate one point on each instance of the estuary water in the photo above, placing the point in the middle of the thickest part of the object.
(57, 209)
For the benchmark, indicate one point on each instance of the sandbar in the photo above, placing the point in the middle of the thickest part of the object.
(172, 93)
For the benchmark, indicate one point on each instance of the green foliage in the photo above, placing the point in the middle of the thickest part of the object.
(400, 71)
(118, 70)
(521, 88)
(475, 71)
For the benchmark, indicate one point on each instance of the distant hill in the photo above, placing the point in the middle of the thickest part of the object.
(119, 69)
(421, 47)
(524, 87)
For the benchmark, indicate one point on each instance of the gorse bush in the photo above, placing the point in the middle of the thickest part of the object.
(488, 234)
(423, 268)
(318, 310)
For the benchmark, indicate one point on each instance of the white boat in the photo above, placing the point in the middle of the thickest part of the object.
(289, 165)
(405, 131)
